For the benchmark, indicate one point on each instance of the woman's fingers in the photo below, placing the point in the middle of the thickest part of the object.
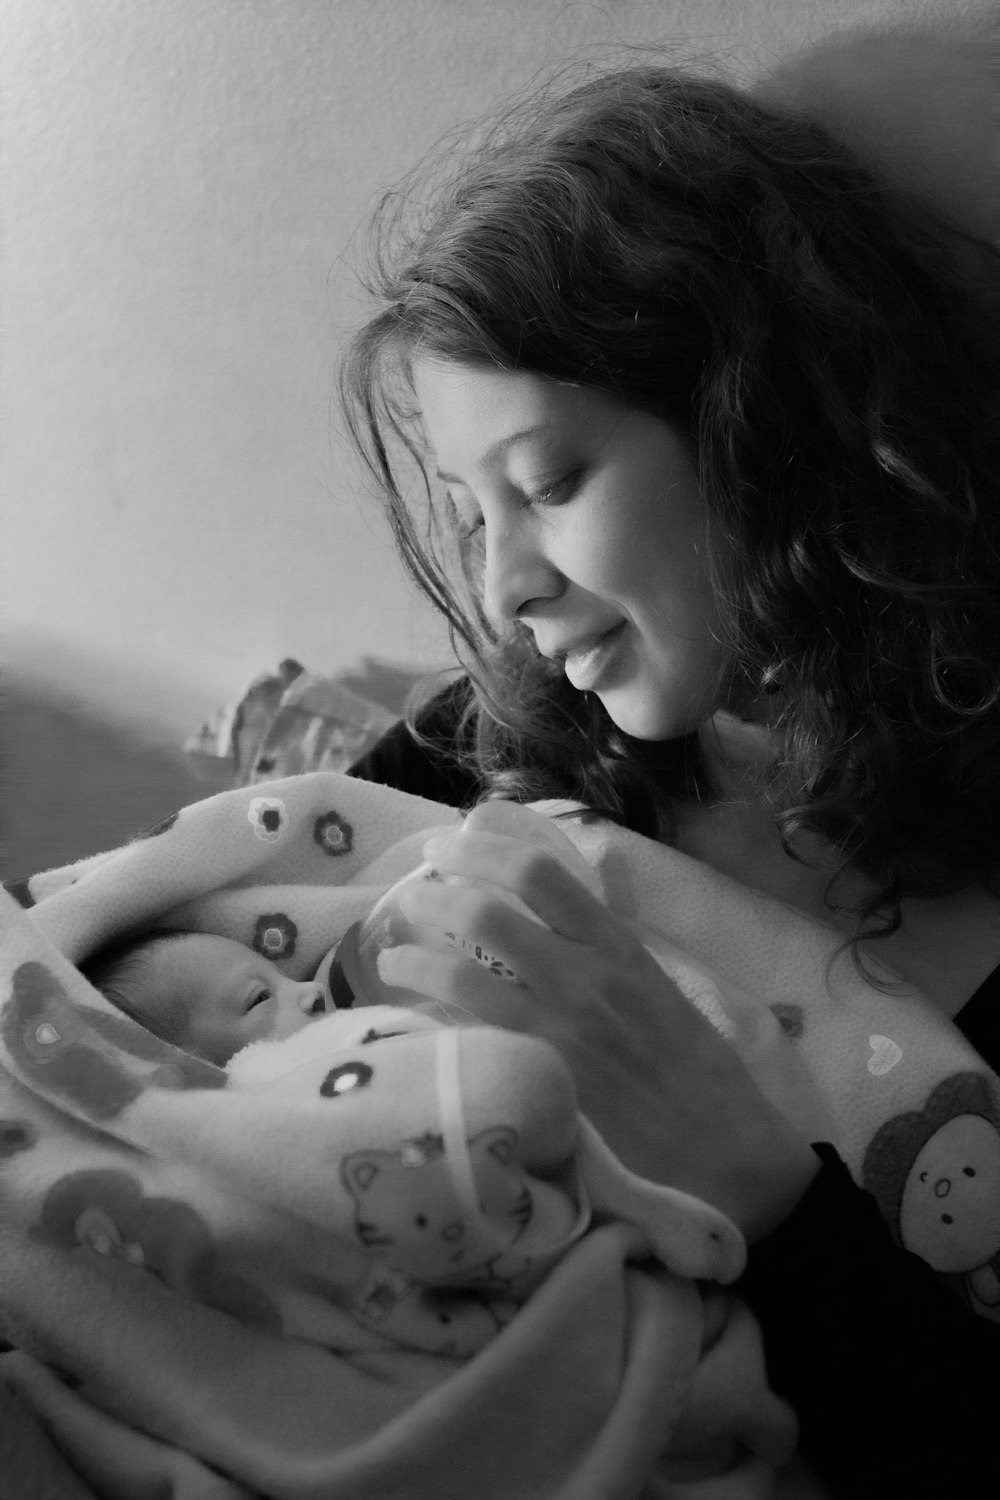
(556, 968)
(669, 1095)
(606, 996)
(556, 897)
(577, 981)
(458, 989)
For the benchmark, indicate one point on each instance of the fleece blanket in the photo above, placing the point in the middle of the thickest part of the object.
(220, 1281)
(169, 1229)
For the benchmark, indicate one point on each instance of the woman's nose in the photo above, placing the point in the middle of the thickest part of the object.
(516, 573)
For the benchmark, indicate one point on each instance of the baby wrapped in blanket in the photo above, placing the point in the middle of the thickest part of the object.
(413, 1198)
(169, 1227)
(440, 1208)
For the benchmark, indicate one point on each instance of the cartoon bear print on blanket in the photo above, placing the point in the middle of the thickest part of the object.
(107, 1211)
(936, 1175)
(76, 1051)
(80, 1054)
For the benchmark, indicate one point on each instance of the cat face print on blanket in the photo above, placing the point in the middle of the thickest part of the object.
(406, 1208)
(462, 1166)
(431, 1192)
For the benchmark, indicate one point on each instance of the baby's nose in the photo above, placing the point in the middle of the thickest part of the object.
(311, 999)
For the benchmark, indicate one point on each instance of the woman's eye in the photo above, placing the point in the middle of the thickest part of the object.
(554, 491)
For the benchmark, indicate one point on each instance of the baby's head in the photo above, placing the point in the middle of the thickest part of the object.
(204, 993)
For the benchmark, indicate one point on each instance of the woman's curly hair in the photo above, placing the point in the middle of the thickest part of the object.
(831, 349)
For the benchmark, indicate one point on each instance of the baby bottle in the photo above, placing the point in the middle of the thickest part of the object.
(354, 978)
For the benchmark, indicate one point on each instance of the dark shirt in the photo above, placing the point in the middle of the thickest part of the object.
(896, 1383)
(436, 771)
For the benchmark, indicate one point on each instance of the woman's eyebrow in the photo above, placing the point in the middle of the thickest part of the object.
(497, 449)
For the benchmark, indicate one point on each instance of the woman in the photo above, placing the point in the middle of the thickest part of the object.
(715, 414)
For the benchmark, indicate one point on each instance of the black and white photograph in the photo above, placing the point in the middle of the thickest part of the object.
(499, 749)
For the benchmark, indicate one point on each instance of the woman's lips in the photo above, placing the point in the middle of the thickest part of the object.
(586, 663)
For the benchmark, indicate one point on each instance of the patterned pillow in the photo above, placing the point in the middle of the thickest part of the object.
(293, 720)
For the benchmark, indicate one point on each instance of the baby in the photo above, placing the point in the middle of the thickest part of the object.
(462, 1172)
(207, 994)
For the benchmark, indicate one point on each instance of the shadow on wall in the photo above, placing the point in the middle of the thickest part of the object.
(75, 782)
(74, 785)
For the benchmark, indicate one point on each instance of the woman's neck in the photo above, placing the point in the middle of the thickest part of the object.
(734, 829)
(946, 946)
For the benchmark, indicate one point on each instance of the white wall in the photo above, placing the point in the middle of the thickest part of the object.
(181, 179)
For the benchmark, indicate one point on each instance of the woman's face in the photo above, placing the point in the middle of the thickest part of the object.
(592, 533)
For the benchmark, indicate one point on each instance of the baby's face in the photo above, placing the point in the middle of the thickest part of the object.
(227, 996)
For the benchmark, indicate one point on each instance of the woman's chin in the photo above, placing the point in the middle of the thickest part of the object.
(648, 717)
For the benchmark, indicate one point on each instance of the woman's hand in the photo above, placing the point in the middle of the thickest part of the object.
(667, 1092)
